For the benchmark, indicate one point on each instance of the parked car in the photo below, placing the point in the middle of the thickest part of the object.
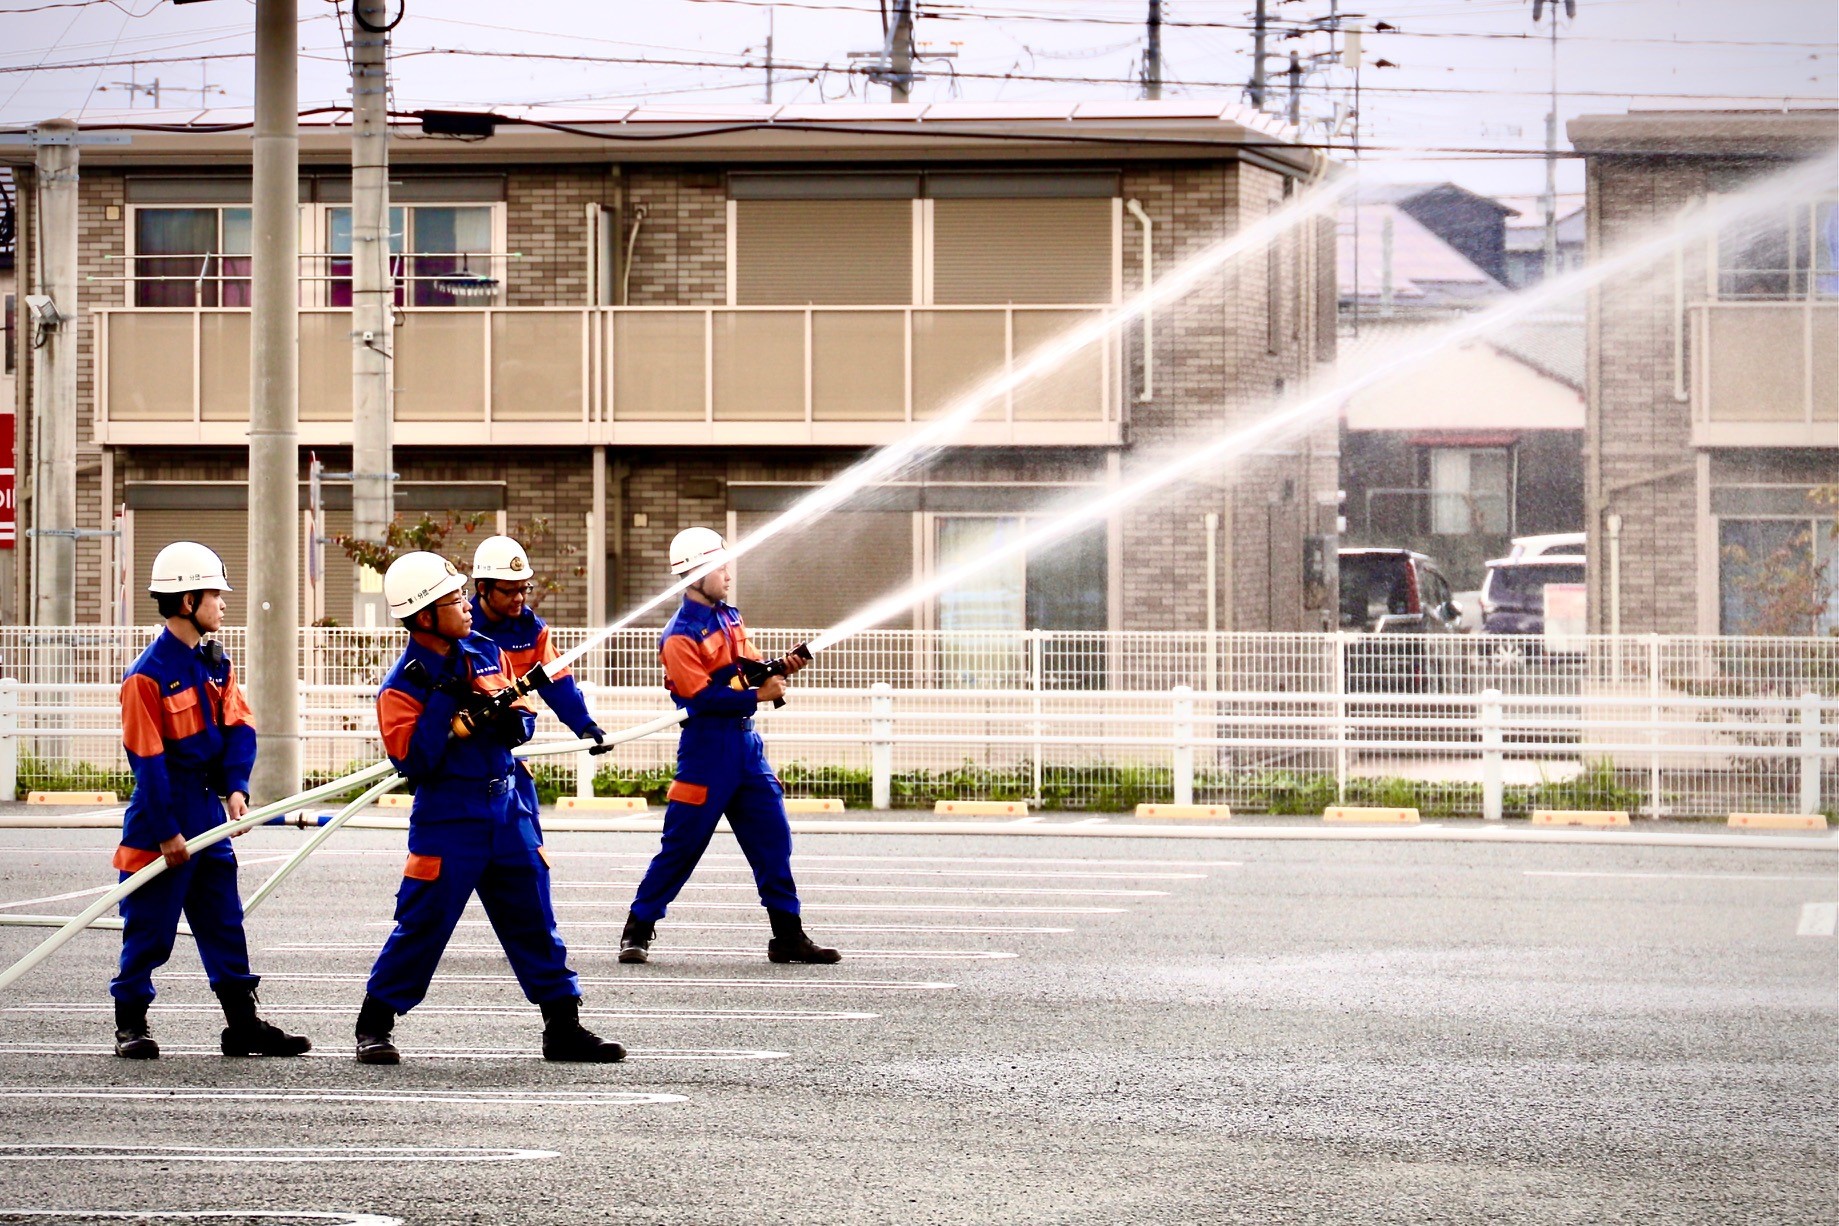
(1388, 591)
(1513, 594)
(1570, 544)
(1402, 600)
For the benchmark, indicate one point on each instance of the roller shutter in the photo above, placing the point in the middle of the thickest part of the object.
(813, 577)
(225, 531)
(823, 252)
(1023, 250)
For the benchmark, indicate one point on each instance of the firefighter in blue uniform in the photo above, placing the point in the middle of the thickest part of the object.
(191, 743)
(721, 763)
(502, 579)
(468, 831)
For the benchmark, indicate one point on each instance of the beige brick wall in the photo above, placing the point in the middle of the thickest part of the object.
(1638, 438)
(1214, 367)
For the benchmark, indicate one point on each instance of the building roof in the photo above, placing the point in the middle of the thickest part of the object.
(1770, 133)
(1401, 193)
(1531, 236)
(1088, 130)
(1527, 376)
(1426, 271)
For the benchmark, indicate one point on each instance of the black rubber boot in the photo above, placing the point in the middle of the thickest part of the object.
(565, 1038)
(247, 1034)
(375, 1021)
(790, 944)
(133, 1040)
(635, 941)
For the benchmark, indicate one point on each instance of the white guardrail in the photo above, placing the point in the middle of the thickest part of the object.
(1473, 725)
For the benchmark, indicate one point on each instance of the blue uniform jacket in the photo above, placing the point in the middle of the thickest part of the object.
(449, 771)
(525, 641)
(190, 739)
(699, 648)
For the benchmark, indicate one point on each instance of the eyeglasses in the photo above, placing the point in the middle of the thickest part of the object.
(512, 589)
(448, 604)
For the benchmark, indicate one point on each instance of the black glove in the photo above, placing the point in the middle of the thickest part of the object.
(594, 733)
(508, 726)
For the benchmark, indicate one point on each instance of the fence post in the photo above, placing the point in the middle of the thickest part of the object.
(1035, 678)
(1653, 734)
(1491, 761)
(1184, 745)
(1810, 752)
(881, 746)
(9, 738)
(1340, 701)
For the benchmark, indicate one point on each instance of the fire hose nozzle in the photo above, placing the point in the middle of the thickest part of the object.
(755, 672)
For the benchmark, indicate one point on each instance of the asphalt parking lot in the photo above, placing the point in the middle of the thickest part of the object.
(1026, 1030)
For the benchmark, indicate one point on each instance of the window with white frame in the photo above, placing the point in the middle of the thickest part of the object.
(440, 255)
(1790, 254)
(196, 256)
(1060, 588)
(1470, 490)
(1778, 576)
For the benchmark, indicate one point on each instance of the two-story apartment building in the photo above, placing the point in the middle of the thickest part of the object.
(1712, 429)
(625, 324)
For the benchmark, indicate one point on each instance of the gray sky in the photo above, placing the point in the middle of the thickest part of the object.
(1465, 91)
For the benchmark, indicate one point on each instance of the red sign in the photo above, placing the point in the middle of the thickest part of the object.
(9, 514)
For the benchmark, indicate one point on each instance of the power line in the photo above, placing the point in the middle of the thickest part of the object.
(1300, 26)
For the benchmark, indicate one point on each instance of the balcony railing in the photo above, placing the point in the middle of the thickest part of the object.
(676, 375)
(1765, 374)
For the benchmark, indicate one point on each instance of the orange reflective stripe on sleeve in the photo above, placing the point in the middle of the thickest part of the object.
(686, 670)
(397, 712)
(140, 716)
(545, 652)
(422, 868)
(688, 793)
(133, 859)
(233, 708)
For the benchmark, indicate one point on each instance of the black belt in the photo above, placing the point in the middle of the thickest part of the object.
(502, 786)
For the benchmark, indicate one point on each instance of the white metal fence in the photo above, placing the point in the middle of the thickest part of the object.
(1286, 723)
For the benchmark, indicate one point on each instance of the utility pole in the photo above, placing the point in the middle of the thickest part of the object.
(1296, 89)
(372, 297)
(900, 51)
(1258, 30)
(1551, 137)
(54, 378)
(1152, 53)
(769, 56)
(272, 594)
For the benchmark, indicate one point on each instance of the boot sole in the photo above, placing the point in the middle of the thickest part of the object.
(787, 960)
(137, 1055)
(634, 957)
(385, 1056)
(585, 1058)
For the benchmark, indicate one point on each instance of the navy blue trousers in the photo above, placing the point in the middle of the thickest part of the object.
(755, 808)
(498, 859)
(204, 890)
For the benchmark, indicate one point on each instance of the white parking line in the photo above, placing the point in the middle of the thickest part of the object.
(802, 859)
(521, 1013)
(876, 889)
(1005, 874)
(27, 902)
(302, 1094)
(929, 909)
(636, 979)
(692, 1055)
(1546, 872)
(276, 1154)
(752, 951)
(204, 1215)
(717, 926)
(1818, 919)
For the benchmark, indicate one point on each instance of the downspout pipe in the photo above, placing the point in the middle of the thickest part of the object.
(1135, 208)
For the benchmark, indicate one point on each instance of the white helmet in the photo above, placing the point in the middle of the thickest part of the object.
(416, 580)
(187, 566)
(693, 547)
(500, 557)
